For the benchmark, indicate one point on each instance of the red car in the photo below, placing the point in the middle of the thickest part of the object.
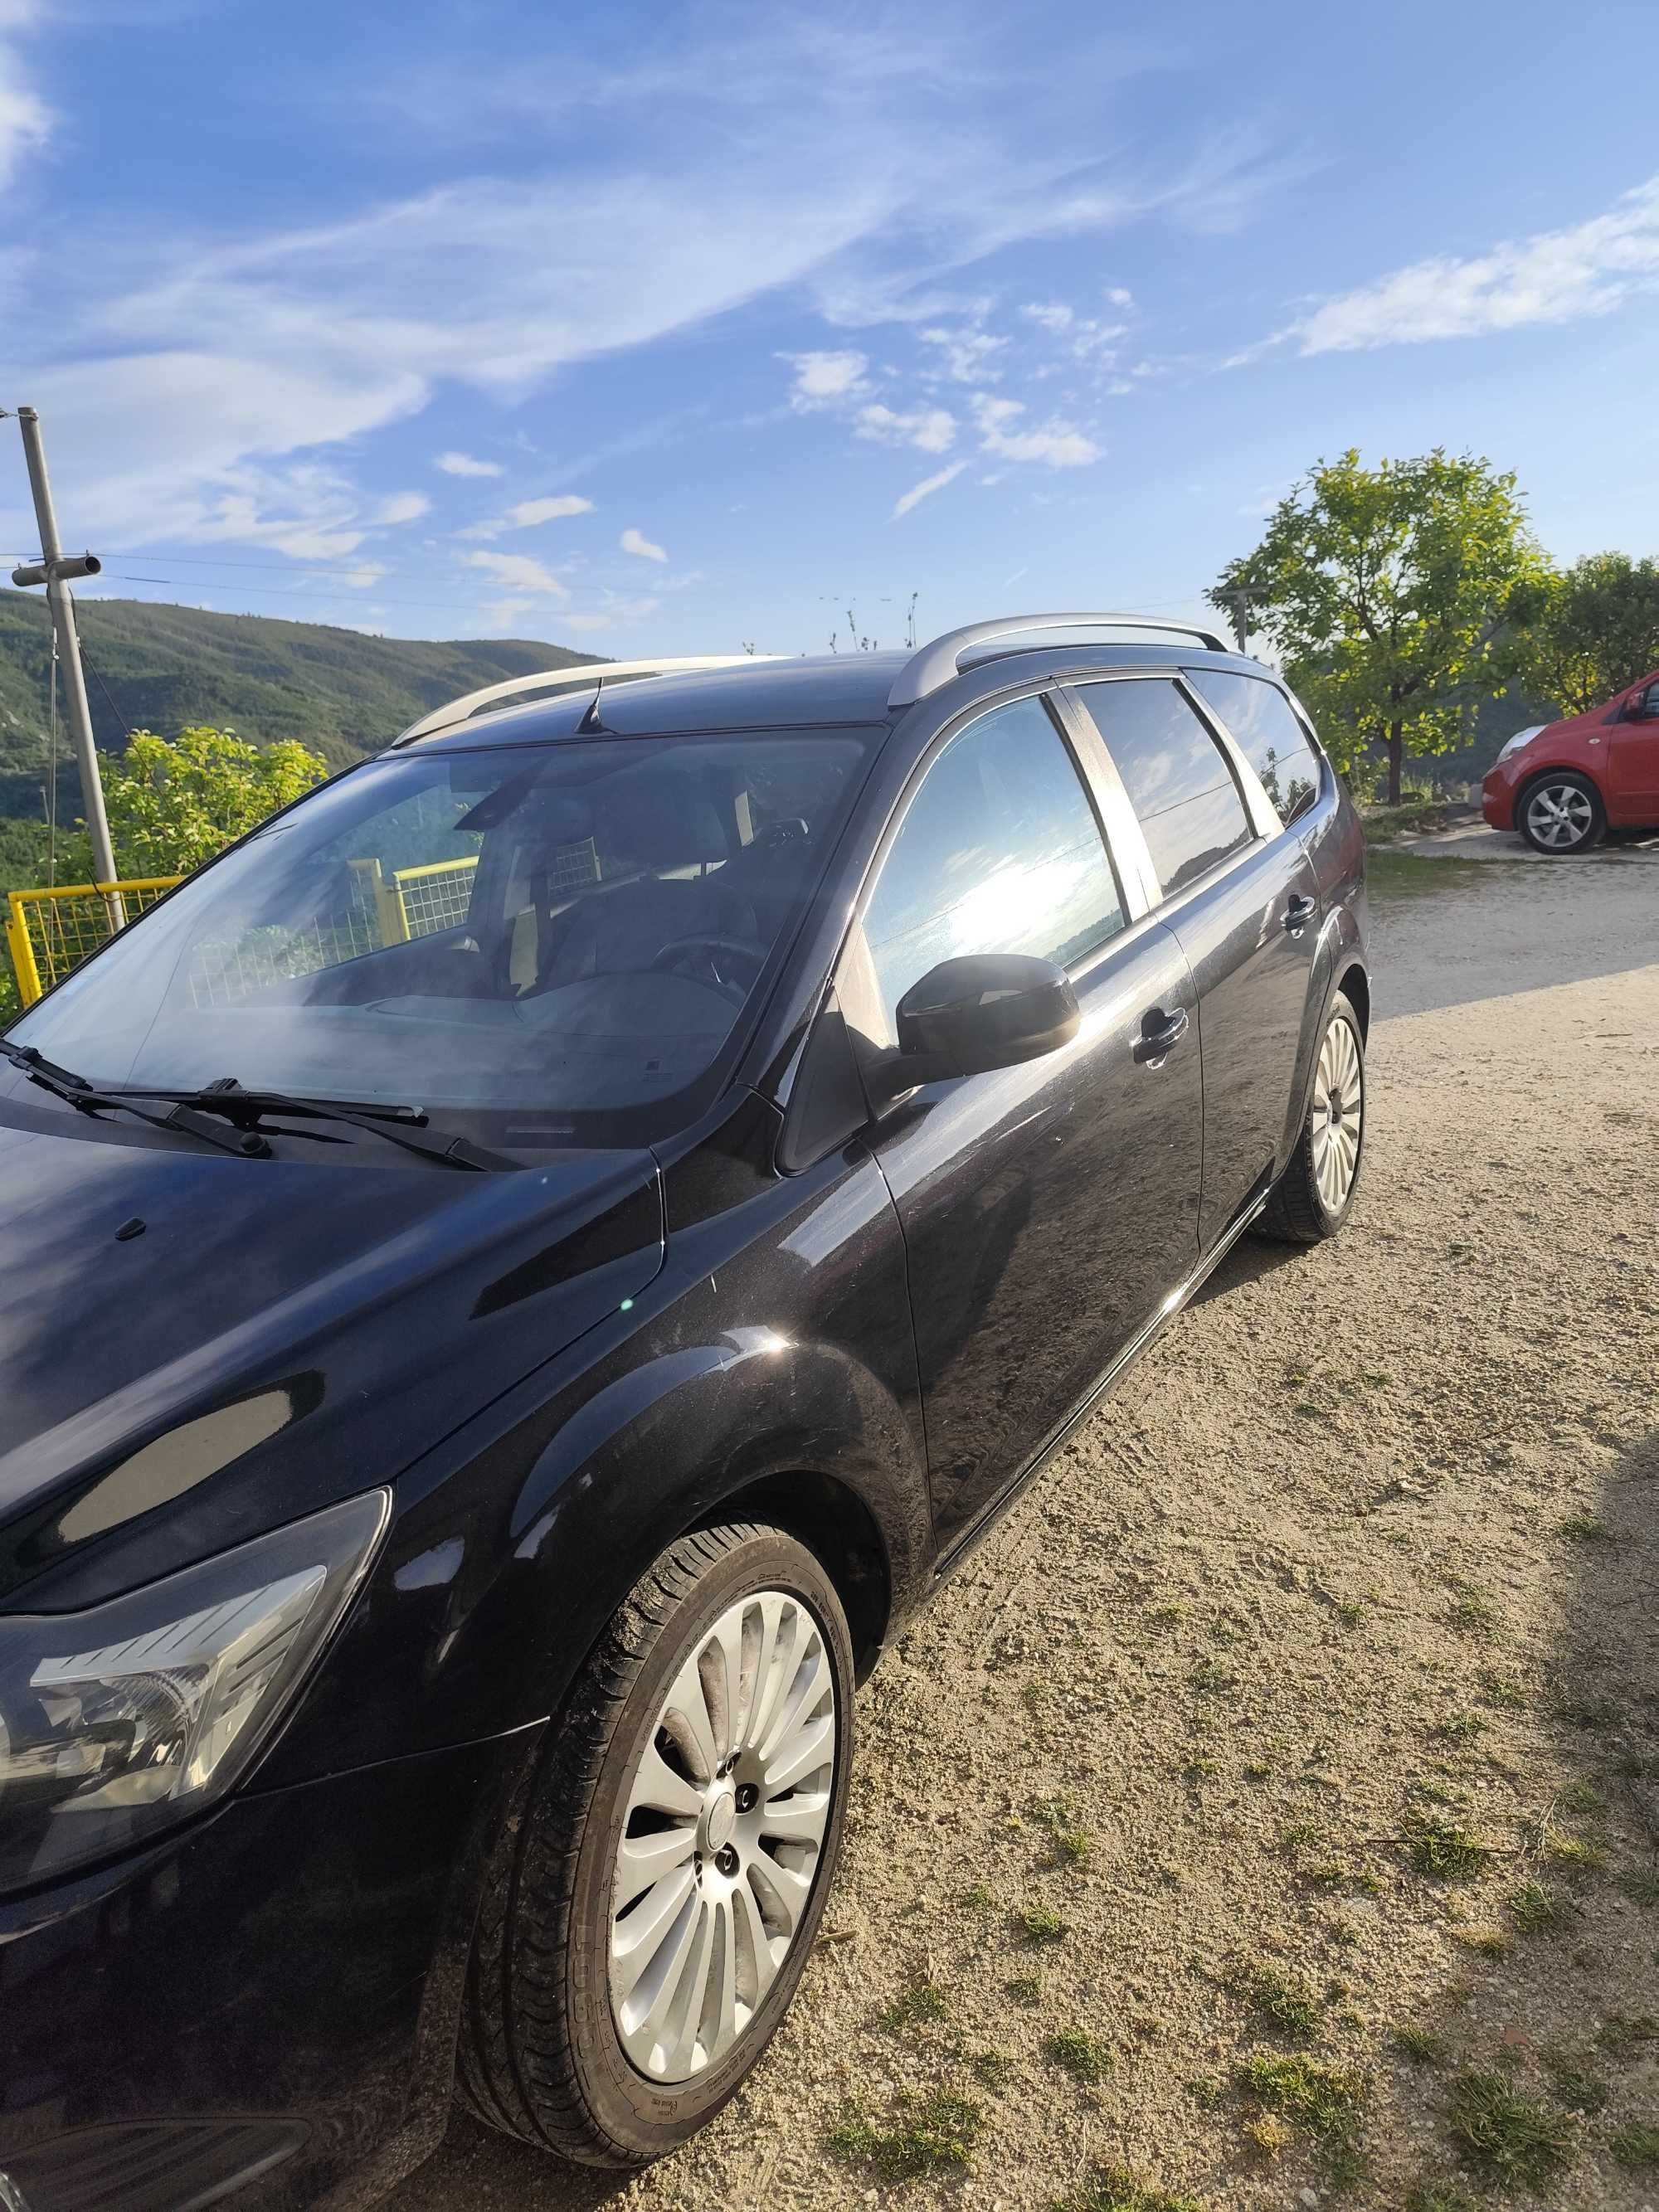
(1563, 786)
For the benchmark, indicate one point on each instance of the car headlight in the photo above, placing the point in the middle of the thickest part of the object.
(120, 1720)
(1521, 737)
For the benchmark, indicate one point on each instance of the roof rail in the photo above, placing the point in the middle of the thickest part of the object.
(555, 680)
(936, 663)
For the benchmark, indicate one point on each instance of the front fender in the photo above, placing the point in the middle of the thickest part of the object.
(790, 1364)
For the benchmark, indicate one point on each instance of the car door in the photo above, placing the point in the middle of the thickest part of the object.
(1048, 1209)
(1633, 762)
(1236, 891)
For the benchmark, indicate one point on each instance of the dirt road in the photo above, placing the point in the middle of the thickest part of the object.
(1309, 1702)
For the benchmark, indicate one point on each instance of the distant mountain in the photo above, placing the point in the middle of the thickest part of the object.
(340, 692)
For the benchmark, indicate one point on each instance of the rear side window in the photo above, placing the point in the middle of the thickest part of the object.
(1261, 725)
(1176, 777)
(999, 852)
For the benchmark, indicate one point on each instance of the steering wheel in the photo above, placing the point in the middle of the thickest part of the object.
(705, 960)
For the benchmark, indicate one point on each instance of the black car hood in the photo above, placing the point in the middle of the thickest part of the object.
(277, 1333)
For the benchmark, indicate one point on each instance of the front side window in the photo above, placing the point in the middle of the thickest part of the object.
(999, 852)
(1260, 722)
(553, 940)
(1178, 781)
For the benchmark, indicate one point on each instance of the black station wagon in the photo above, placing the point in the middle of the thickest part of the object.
(518, 1280)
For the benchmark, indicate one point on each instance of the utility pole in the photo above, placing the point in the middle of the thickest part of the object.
(54, 570)
(1240, 603)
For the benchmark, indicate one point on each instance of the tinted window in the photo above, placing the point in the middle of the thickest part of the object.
(1178, 779)
(1259, 718)
(999, 852)
(557, 939)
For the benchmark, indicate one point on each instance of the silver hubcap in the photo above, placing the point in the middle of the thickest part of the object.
(727, 1809)
(1559, 816)
(1338, 1111)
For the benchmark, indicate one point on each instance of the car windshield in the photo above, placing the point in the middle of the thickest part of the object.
(540, 945)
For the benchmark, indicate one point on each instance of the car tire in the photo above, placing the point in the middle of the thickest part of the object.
(1560, 813)
(1314, 1196)
(730, 1653)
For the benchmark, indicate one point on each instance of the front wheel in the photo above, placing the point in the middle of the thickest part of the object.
(1311, 1199)
(1561, 813)
(650, 1911)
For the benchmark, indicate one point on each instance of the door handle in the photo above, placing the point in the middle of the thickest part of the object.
(1299, 913)
(1160, 1033)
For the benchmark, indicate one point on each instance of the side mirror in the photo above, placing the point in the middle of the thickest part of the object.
(984, 1010)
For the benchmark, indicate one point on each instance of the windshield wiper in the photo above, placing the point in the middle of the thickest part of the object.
(398, 1125)
(63, 1082)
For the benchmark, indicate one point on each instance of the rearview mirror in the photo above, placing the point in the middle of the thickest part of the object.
(984, 1010)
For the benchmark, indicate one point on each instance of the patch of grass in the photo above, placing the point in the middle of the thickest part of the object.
(1323, 2101)
(1636, 2146)
(1491, 1942)
(1579, 2090)
(923, 2002)
(1350, 1613)
(1512, 2139)
(1587, 1804)
(1460, 1726)
(1284, 2002)
(1170, 1614)
(991, 2067)
(1439, 2196)
(1206, 2091)
(978, 1899)
(1576, 1851)
(1296, 1833)
(1502, 1691)
(1587, 1529)
(1420, 2045)
(1472, 1612)
(1271, 2135)
(1199, 1770)
(1442, 1849)
(1040, 1923)
(1118, 2189)
(1210, 1674)
(926, 2136)
(1642, 1888)
(1023, 1989)
(1257, 1769)
(1535, 1908)
(1079, 2053)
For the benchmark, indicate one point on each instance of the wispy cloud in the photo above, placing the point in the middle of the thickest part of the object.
(826, 380)
(463, 464)
(1552, 277)
(929, 429)
(926, 487)
(966, 356)
(635, 541)
(518, 572)
(25, 121)
(1055, 443)
(530, 514)
(402, 507)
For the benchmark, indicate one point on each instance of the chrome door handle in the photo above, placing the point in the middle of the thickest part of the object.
(1160, 1033)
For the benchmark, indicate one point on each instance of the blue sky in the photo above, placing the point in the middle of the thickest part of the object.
(657, 328)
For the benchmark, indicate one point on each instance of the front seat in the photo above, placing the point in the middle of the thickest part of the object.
(668, 823)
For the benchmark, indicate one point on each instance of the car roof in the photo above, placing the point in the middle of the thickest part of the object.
(813, 691)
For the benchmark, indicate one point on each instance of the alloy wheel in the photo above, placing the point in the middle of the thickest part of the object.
(1339, 1111)
(727, 1806)
(1559, 816)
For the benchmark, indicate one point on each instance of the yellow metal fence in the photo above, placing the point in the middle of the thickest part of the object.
(48, 932)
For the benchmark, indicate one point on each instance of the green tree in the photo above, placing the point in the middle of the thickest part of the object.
(1584, 633)
(1385, 591)
(172, 806)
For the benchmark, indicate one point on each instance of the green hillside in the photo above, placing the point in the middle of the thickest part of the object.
(340, 692)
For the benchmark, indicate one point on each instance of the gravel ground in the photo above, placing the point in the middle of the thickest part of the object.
(1354, 1580)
